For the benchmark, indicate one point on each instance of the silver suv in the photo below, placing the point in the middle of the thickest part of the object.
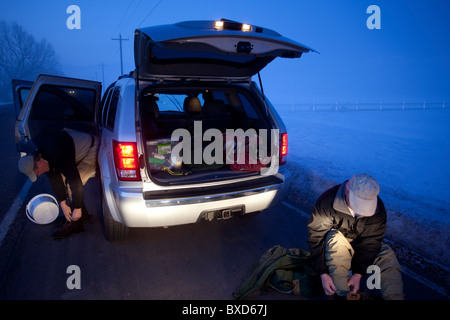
(184, 137)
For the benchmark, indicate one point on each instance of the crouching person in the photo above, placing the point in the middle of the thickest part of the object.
(345, 233)
(68, 158)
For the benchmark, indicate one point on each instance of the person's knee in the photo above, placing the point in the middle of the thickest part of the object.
(387, 258)
(338, 251)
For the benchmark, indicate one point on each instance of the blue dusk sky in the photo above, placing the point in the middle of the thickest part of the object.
(406, 60)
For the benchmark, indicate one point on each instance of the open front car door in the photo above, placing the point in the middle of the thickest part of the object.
(54, 103)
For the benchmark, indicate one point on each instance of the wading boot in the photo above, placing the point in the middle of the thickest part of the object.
(68, 228)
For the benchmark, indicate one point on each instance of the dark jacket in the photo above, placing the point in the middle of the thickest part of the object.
(59, 151)
(331, 212)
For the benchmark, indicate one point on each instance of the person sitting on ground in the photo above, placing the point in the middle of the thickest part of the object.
(345, 232)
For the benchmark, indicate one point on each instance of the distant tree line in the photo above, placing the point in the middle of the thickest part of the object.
(22, 57)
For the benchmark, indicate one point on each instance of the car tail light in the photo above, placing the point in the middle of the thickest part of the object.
(126, 161)
(283, 148)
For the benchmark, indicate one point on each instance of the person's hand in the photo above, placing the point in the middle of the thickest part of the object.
(66, 210)
(353, 282)
(76, 214)
(328, 284)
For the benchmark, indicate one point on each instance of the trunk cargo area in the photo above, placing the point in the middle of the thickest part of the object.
(214, 124)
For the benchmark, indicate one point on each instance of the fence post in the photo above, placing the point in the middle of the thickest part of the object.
(381, 106)
(424, 103)
(357, 106)
(443, 105)
(403, 106)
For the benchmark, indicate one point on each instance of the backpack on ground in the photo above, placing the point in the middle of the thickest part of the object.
(286, 270)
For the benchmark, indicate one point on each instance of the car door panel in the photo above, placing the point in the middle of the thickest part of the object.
(54, 103)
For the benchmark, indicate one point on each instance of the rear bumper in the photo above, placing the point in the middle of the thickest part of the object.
(176, 207)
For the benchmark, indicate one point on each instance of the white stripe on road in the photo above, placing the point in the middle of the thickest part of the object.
(12, 212)
(302, 213)
(425, 282)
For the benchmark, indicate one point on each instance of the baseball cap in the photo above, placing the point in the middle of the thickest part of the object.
(363, 192)
(26, 166)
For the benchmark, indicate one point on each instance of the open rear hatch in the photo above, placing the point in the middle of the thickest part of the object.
(221, 49)
(185, 74)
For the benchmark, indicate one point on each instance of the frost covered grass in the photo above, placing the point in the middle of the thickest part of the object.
(408, 152)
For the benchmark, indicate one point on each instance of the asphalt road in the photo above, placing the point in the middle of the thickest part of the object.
(11, 181)
(204, 261)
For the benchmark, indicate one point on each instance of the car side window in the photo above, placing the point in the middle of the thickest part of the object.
(111, 117)
(23, 94)
(63, 103)
(249, 110)
(105, 105)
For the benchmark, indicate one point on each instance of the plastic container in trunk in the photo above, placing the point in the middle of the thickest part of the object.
(159, 153)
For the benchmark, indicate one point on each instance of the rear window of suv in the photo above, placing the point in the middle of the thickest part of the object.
(232, 101)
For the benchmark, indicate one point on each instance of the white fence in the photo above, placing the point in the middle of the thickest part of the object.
(342, 107)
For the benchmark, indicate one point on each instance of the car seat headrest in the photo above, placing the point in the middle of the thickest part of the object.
(192, 104)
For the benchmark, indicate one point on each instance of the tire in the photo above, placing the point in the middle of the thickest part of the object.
(113, 230)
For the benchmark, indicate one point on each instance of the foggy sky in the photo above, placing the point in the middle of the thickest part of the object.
(406, 60)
